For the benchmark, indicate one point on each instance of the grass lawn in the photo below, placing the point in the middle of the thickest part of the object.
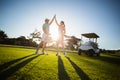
(20, 63)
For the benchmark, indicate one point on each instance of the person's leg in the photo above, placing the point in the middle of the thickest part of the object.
(63, 46)
(39, 45)
(44, 41)
(36, 52)
(43, 47)
(37, 49)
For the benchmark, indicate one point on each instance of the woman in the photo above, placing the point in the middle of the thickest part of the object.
(62, 31)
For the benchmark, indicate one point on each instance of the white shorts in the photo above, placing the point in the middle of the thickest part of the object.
(45, 37)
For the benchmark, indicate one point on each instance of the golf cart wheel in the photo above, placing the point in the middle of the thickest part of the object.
(91, 52)
(79, 52)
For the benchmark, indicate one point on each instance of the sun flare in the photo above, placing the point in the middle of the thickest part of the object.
(54, 31)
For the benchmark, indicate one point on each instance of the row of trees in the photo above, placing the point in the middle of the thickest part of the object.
(71, 41)
(110, 51)
(22, 41)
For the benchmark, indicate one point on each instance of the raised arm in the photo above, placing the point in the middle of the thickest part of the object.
(51, 20)
(64, 31)
(56, 21)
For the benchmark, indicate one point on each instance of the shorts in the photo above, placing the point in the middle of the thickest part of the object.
(45, 37)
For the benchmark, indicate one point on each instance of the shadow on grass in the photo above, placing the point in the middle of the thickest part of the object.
(62, 74)
(108, 59)
(6, 65)
(79, 71)
(5, 74)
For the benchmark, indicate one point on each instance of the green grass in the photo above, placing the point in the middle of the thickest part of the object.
(20, 63)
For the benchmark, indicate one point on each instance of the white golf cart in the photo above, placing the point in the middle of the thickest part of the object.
(90, 47)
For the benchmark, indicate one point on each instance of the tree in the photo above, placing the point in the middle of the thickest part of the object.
(73, 42)
(3, 36)
(21, 41)
(35, 35)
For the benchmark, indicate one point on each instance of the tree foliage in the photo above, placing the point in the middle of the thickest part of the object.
(73, 42)
(3, 36)
(21, 40)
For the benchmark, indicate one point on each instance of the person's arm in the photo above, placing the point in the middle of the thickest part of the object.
(56, 21)
(64, 30)
(51, 20)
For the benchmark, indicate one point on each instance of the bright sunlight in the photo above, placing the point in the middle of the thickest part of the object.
(54, 31)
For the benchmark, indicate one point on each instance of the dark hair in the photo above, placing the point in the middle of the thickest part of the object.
(46, 19)
(62, 22)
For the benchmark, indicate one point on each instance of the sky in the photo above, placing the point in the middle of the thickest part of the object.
(22, 17)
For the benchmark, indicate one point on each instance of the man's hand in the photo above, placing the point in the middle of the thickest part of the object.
(55, 16)
(52, 19)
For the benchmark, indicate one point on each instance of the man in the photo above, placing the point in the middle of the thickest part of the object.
(45, 36)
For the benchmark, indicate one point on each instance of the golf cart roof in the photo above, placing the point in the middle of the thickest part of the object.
(90, 35)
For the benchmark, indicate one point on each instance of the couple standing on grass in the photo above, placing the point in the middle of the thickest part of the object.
(45, 36)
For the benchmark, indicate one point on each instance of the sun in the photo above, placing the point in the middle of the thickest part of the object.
(54, 31)
(54, 36)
